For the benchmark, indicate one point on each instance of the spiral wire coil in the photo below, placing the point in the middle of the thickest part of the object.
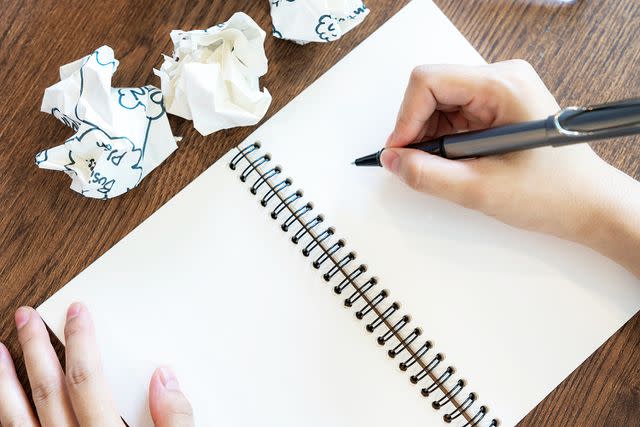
(326, 251)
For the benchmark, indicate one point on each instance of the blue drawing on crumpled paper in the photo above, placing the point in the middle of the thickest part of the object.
(66, 120)
(129, 98)
(42, 156)
(276, 3)
(326, 28)
(71, 163)
(154, 111)
(97, 54)
(117, 151)
(354, 15)
(275, 32)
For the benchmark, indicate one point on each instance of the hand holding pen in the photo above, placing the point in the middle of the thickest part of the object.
(568, 192)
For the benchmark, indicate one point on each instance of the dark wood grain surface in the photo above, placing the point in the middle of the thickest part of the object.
(586, 51)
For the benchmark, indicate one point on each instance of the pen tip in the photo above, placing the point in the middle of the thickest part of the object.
(353, 163)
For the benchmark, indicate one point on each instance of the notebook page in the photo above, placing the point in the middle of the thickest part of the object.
(211, 286)
(515, 312)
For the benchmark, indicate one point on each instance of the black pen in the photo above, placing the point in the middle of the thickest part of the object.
(569, 126)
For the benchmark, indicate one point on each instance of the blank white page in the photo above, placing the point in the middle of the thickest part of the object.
(212, 286)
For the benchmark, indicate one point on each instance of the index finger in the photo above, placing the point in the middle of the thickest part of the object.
(88, 389)
(430, 86)
(43, 369)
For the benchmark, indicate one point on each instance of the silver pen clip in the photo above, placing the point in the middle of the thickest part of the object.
(575, 111)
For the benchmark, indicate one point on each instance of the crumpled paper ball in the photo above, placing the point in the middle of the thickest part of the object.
(213, 76)
(121, 134)
(304, 21)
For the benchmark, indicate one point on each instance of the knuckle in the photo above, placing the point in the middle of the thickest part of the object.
(26, 338)
(45, 390)
(498, 90)
(185, 411)
(79, 374)
(517, 74)
(29, 335)
(184, 418)
(420, 73)
(72, 328)
(179, 411)
(498, 83)
(181, 419)
(513, 68)
(520, 65)
(526, 68)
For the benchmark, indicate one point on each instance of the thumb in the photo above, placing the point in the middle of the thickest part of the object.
(453, 180)
(169, 407)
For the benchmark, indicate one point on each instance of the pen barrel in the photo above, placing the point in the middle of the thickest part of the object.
(570, 126)
(433, 146)
(500, 140)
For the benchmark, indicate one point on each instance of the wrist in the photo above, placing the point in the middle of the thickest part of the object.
(612, 225)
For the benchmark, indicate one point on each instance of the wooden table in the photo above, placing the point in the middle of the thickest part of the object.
(585, 51)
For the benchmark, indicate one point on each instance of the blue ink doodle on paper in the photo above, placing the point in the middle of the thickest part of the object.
(115, 158)
(359, 11)
(104, 183)
(275, 32)
(276, 3)
(100, 144)
(68, 121)
(122, 158)
(330, 21)
(132, 98)
(106, 162)
(42, 157)
(71, 163)
(326, 28)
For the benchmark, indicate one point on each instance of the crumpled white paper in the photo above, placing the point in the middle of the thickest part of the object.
(213, 77)
(121, 134)
(304, 21)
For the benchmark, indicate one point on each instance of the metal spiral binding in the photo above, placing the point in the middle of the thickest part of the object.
(306, 226)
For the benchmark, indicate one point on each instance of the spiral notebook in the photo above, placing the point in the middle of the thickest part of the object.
(289, 288)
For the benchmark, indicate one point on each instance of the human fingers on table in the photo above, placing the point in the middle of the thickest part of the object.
(87, 386)
(169, 406)
(45, 374)
(14, 405)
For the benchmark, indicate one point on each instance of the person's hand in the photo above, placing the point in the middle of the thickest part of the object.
(568, 192)
(81, 396)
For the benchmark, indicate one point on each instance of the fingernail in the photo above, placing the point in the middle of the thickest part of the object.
(169, 380)
(74, 310)
(390, 160)
(22, 317)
